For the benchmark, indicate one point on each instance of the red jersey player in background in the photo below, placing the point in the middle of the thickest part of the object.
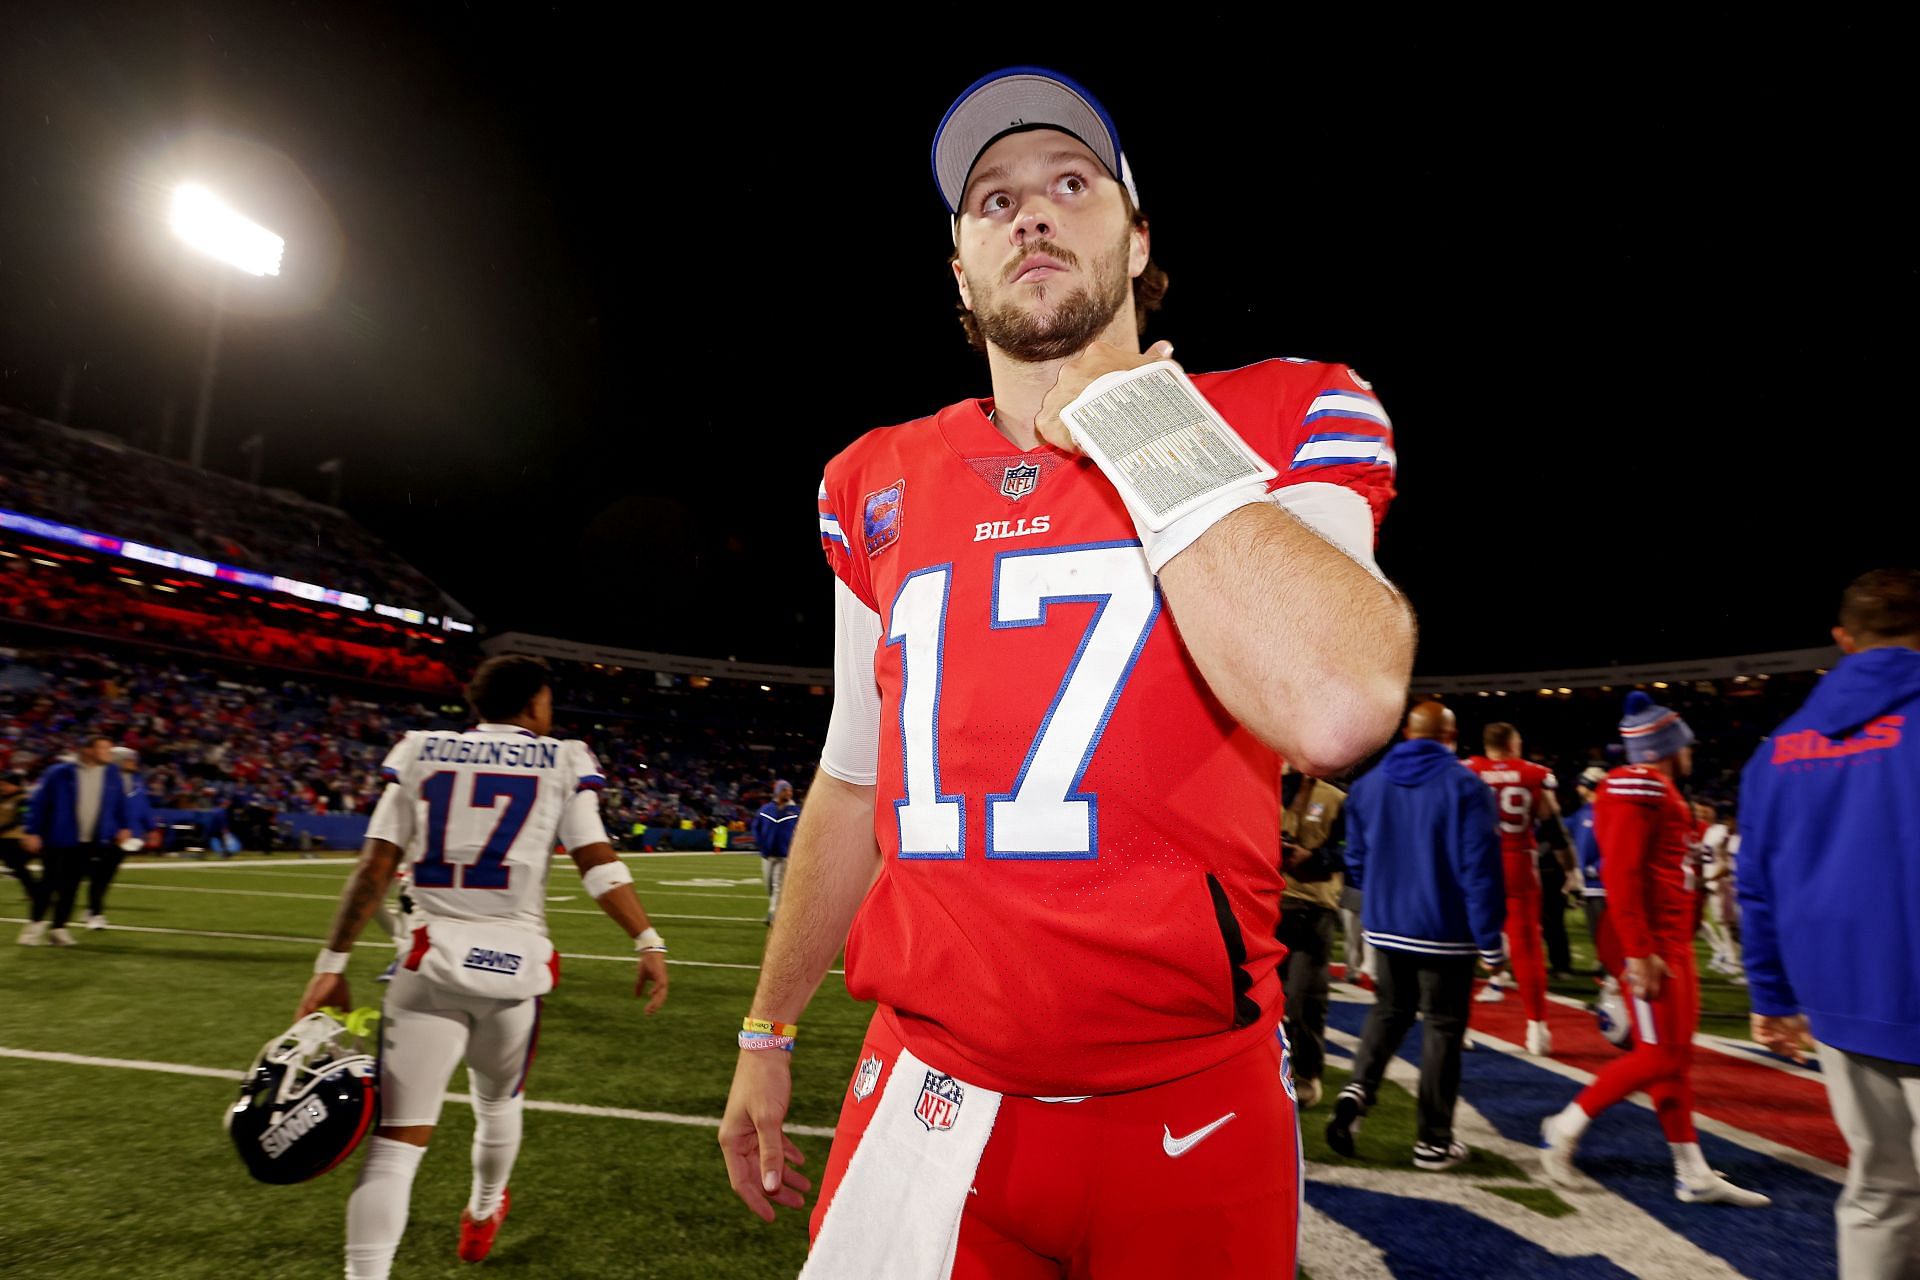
(1523, 792)
(1646, 831)
(1055, 812)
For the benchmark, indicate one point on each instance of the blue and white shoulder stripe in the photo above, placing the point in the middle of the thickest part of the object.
(1353, 432)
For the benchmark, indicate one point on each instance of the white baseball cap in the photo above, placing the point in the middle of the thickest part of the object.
(1009, 101)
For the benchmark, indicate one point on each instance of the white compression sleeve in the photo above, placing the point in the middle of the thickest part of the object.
(852, 749)
(497, 1125)
(1337, 514)
(377, 1210)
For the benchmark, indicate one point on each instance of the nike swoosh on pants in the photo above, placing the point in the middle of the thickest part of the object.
(1177, 1147)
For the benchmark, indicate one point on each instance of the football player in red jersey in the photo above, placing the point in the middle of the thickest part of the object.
(1524, 794)
(1646, 831)
(1053, 809)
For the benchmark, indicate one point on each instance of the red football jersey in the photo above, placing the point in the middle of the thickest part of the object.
(1645, 829)
(1079, 887)
(1517, 787)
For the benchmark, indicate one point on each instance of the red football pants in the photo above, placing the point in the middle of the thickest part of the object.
(1526, 953)
(1068, 1190)
(1606, 942)
(1662, 1059)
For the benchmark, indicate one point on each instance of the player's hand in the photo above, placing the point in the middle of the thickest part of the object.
(1788, 1037)
(326, 989)
(122, 836)
(652, 977)
(1647, 976)
(761, 1159)
(30, 843)
(1077, 374)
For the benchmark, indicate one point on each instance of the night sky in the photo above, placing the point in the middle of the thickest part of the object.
(585, 303)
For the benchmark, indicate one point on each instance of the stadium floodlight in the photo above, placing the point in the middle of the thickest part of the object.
(207, 223)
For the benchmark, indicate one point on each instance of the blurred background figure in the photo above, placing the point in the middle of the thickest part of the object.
(77, 807)
(1311, 838)
(773, 835)
(13, 808)
(1610, 1010)
(1423, 843)
(1719, 918)
(138, 819)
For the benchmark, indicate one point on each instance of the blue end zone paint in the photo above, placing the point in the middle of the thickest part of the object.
(1623, 1150)
(1433, 1240)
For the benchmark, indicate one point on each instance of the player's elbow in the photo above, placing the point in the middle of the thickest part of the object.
(1344, 721)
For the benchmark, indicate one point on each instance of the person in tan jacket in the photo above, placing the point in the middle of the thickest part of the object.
(1309, 907)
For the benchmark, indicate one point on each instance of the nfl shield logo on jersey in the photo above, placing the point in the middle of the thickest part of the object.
(1019, 481)
(939, 1104)
(867, 1079)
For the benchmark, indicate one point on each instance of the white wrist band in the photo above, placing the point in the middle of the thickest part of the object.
(1183, 533)
(649, 939)
(1177, 464)
(331, 961)
(604, 877)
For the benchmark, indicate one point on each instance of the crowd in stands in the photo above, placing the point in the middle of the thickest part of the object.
(254, 742)
(1568, 732)
(76, 595)
(98, 482)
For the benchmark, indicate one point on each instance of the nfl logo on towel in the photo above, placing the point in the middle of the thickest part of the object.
(1019, 481)
(867, 1079)
(939, 1104)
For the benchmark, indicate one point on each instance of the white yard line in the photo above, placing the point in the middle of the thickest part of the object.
(288, 862)
(342, 859)
(295, 869)
(316, 942)
(533, 1104)
(652, 891)
(334, 897)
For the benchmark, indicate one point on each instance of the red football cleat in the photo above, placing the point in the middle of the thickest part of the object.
(476, 1238)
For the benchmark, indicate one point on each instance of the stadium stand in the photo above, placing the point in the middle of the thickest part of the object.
(1729, 703)
(98, 482)
(227, 746)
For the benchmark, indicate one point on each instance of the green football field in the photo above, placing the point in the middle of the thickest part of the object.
(114, 1171)
(120, 1168)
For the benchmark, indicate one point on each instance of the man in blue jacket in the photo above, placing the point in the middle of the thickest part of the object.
(1424, 845)
(138, 819)
(76, 811)
(1829, 883)
(773, 836)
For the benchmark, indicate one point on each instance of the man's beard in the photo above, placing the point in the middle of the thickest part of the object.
(1069, 326)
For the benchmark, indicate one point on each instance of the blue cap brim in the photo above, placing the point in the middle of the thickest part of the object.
(1021, 98)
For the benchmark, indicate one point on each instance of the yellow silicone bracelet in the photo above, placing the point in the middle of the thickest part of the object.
(764, 1027)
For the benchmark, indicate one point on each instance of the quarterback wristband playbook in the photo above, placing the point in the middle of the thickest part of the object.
(1178, 465)
(649, 939)
(603, 877)
(331, 961)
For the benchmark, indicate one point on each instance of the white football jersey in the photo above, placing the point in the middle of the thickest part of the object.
(479, 814)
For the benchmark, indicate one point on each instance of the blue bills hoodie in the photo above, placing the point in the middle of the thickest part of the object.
(1423, 846)
(1829, 862)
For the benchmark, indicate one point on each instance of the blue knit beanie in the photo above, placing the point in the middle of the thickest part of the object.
(1651, 731)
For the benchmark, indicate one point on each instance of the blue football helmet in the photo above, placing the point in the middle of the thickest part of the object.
(309, 1098)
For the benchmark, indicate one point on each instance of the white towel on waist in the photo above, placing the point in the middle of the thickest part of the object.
(897, 1210)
